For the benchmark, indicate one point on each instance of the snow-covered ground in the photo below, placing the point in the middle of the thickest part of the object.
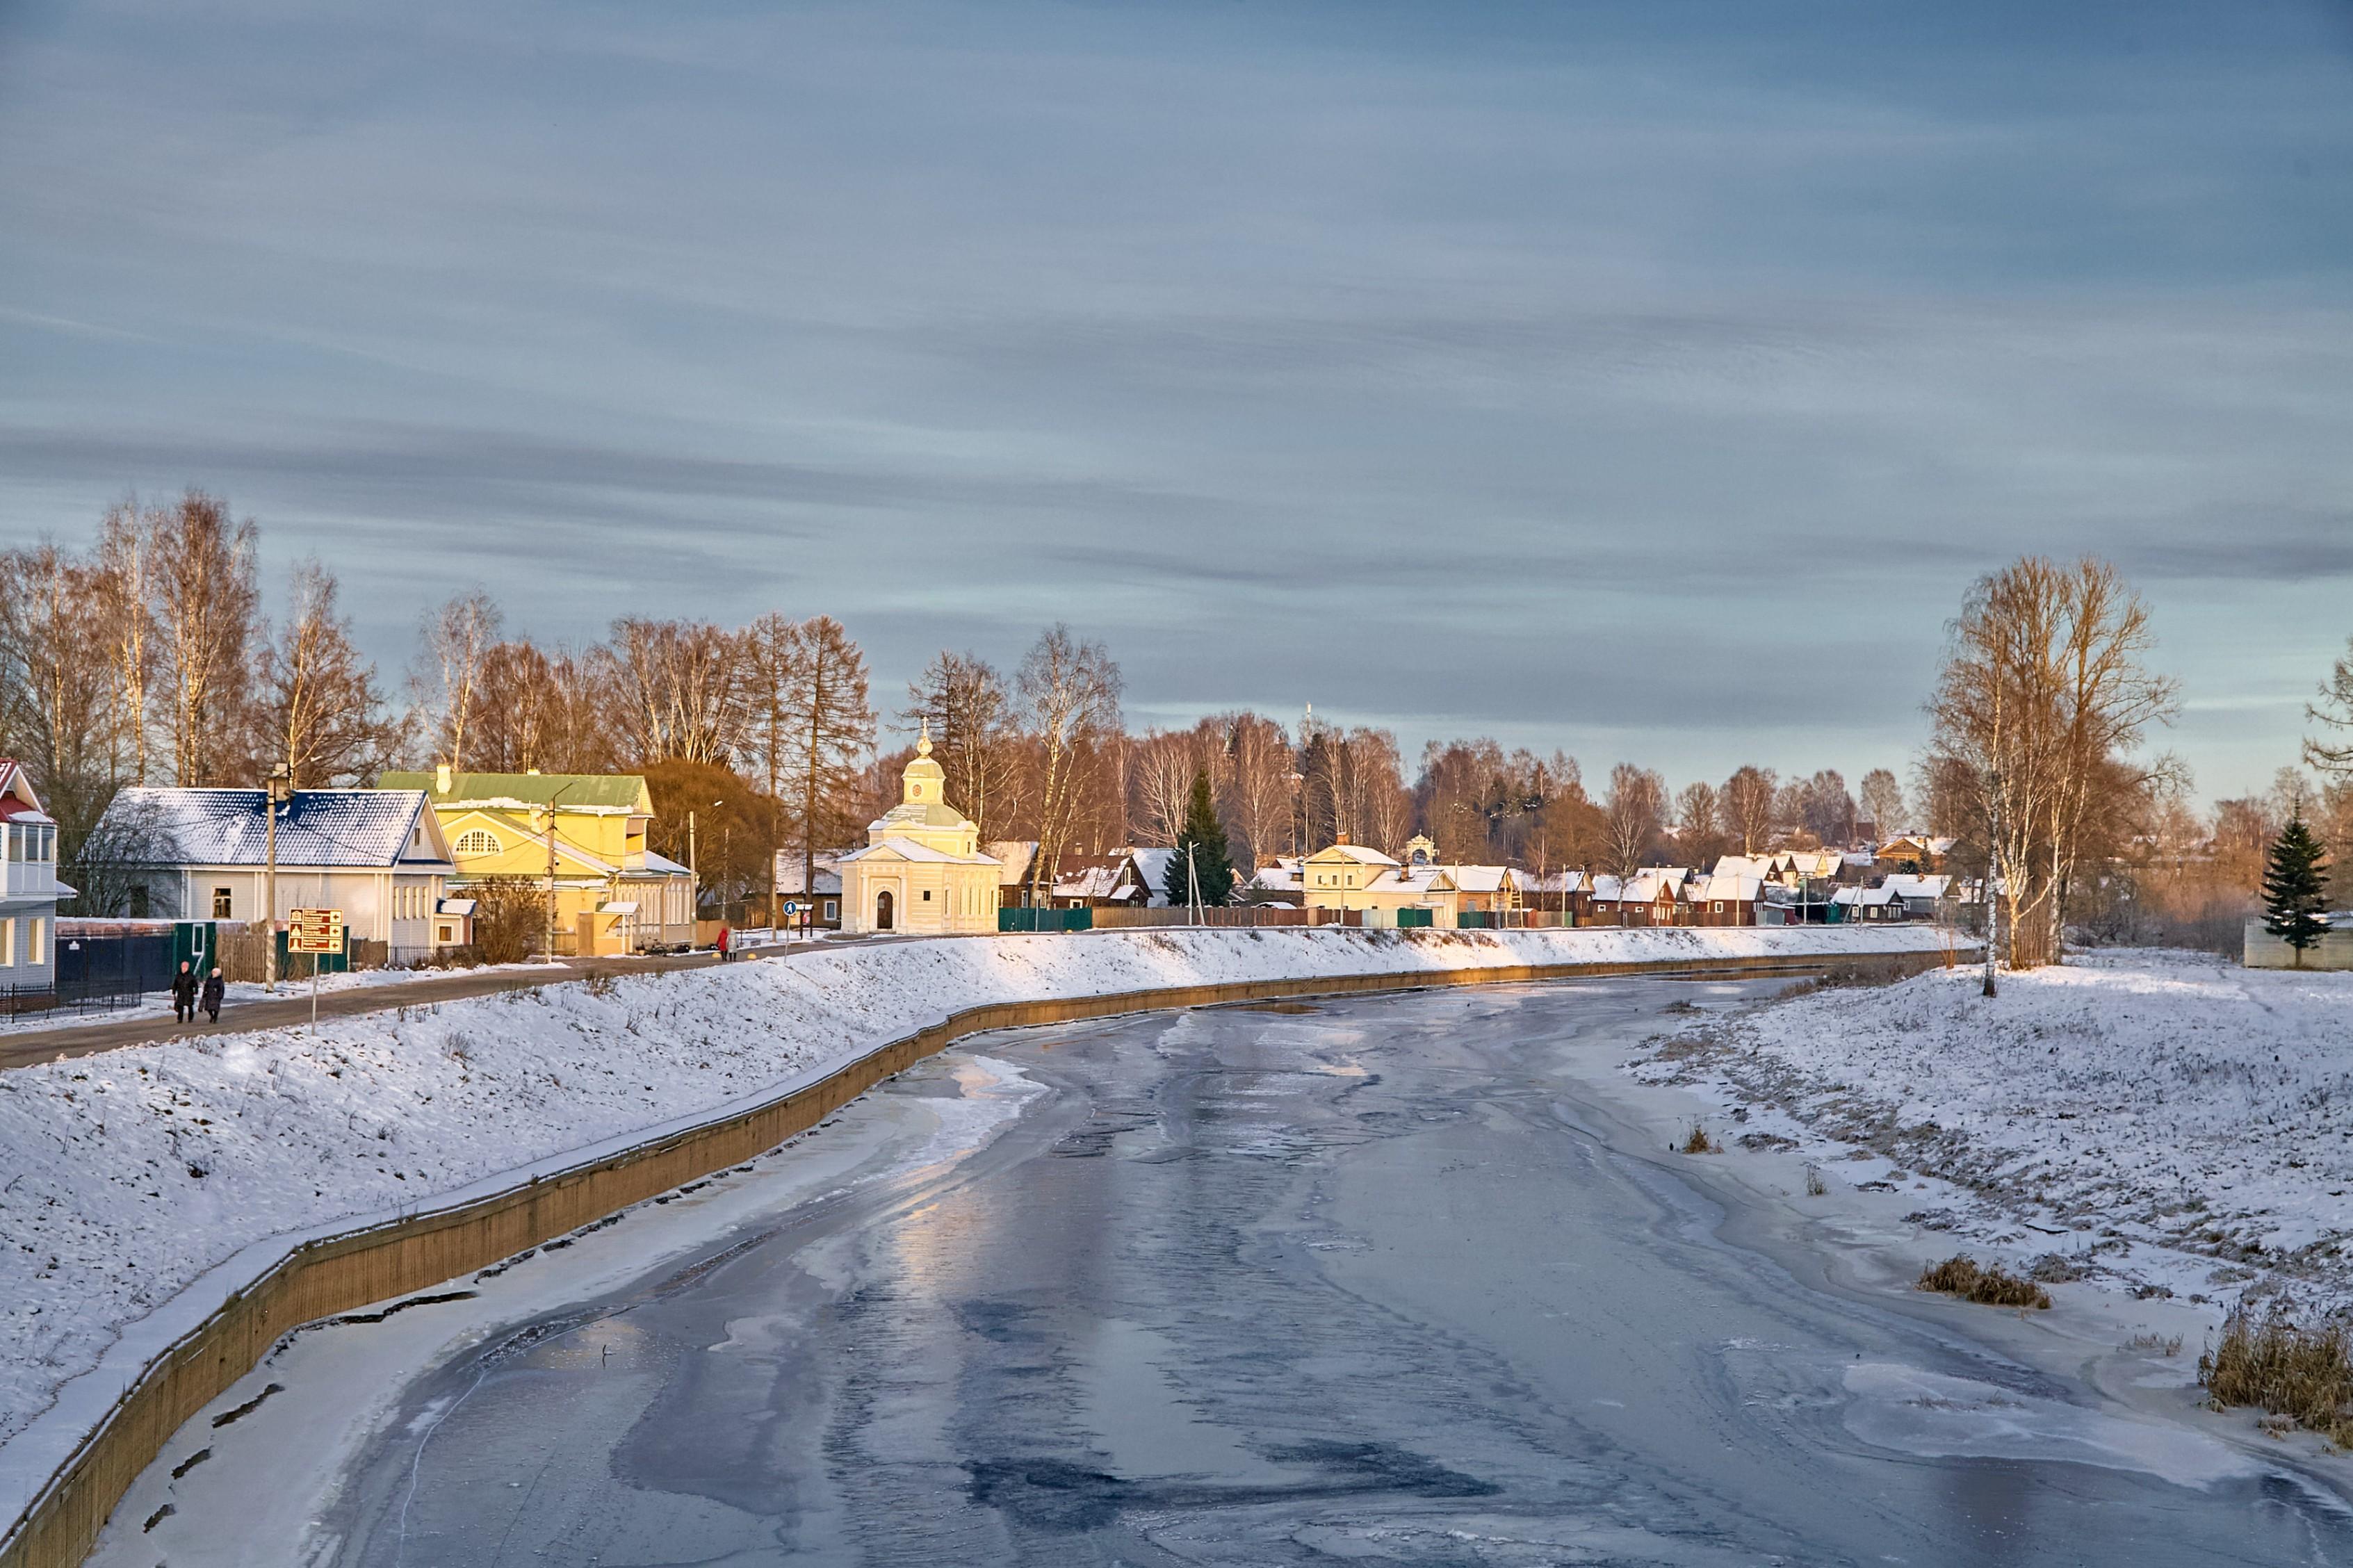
(140, 1186)
(2159, 1121)
(237, 993)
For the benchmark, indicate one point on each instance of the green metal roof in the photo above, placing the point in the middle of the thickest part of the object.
(587, 792)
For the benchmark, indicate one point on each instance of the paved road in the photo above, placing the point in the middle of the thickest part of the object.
(36, 1046)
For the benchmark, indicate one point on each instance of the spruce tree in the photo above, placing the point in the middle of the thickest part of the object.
(2295, 888)
(1205, 836)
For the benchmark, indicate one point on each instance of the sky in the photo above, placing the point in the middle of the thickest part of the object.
(1647, 380)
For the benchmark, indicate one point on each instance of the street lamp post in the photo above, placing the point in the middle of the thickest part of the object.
(281, 790)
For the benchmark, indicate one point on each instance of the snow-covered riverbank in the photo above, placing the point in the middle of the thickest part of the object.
(139, 1186)
(2157, 1122)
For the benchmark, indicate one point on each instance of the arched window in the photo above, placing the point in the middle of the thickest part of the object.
(478, 842)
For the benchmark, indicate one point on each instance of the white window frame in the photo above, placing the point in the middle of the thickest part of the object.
(7, 944)
(471, 838)
(222, 895)
(36, 946)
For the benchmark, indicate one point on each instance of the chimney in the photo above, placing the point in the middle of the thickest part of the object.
(442, 779)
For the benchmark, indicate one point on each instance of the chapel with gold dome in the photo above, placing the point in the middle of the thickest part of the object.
(921, 871)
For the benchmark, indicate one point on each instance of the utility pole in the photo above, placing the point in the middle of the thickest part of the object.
(281, 790)
(1993, 859)
(549, 952)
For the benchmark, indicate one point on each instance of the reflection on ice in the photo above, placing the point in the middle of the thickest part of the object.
(1940, 1418)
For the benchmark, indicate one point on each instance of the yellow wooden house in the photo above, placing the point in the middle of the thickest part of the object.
(584, 834)
(1347, 876)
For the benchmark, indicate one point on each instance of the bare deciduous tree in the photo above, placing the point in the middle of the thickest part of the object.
(321, 714)
(126, 594)
(1162, 770)
(2043, 696)
(832, 729)
(2334, 710)
(1747, 807)
(536, 709)
(1883, 803)
(1262, 765)
(1069, 691)
(965, 701)
(1698, 826)
(458, 637)
(678, 690)
(57, 687)
(207, 601)
(1631, 815)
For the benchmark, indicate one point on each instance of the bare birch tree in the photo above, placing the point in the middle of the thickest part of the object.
(207, 601)
(1632, 813)
(1069, 692)
(1262, 788)
(678, 690)
(1746, 803)
(2043, 696)
(2334, 710)
(1883, 803)
(458, 636)
(126, 592)
(321, 714)
(964, 701)
(57, 685)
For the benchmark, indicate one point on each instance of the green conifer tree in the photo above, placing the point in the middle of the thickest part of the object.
(2295, 888)
(1211, 871)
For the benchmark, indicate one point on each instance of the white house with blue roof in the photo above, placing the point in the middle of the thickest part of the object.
(29, 889)
(377, 854)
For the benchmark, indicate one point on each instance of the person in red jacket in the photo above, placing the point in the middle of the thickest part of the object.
(723, 945)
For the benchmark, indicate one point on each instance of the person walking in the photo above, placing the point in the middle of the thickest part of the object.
(723, 945)
(212, 991)
(183, 995)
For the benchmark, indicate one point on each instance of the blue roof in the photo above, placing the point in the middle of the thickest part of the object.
(330, 828)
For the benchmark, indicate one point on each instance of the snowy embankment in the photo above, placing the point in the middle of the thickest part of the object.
(140, 1187)
(2161, 1123)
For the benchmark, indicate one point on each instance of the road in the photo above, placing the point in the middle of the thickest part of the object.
(28, 1048)
(1380, 1280)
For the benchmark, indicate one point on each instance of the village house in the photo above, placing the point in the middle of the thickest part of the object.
(29, 889)
(582, 834)
(922, 871)
(1347, 876)
(1568, 894)
(1914, 852)
(1014, 856)
(377, 854)
(1652, 896)
(1724, 896)
(820, 901)
(1112, 881)
(1276, 882)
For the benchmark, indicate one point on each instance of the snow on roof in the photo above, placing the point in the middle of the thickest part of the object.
(455, 907)
(324, 827)
(1415, 880)
(17, 801)
(1740, 885)
(1482, 879)
(1555, 883)
(1153, 866)
(1358, 852)
(1013, 855)
(664, 866)
(908, 849)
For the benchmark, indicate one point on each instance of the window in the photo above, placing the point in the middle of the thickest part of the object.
(1719, 906)
(7, 944)
(478, 841)
(927, 895)
(37, 940)
(221, 904)
(139, 902)
(832, 909)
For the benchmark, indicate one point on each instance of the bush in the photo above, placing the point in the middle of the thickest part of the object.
(509, 918)
(1699, 1142)
(1959, 1275)
(2302, 1374)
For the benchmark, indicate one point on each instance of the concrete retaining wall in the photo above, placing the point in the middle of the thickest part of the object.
(343, 1273)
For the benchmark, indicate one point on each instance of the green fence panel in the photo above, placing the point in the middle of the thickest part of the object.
(1474, 920)
(297, 965)
(1406, 918)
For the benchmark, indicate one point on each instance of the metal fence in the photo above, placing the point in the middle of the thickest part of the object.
(1012, 919)
(96, 974)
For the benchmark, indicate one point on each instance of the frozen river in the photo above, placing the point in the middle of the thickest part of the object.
(1368, 1281)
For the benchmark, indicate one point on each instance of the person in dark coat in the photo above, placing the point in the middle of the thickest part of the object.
(212, 990)
(183, 995)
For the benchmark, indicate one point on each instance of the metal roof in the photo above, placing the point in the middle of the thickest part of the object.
(322, 827)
